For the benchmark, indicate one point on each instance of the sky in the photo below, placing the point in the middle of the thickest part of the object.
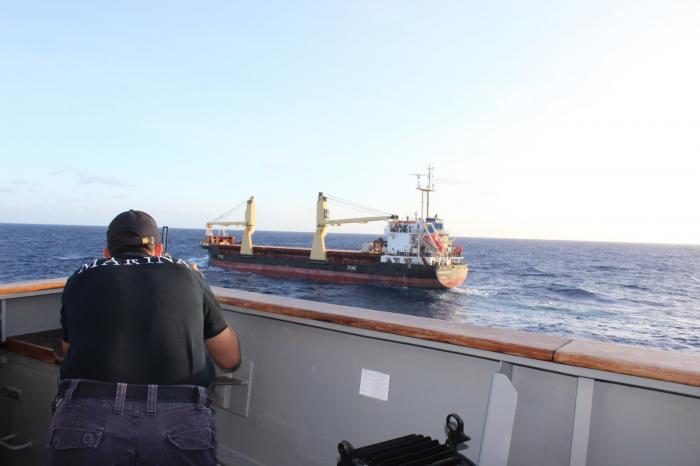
(573, 120)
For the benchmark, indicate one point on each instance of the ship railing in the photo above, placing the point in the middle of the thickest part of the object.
(561, 400)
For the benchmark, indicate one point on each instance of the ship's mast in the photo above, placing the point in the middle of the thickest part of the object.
(425, 191)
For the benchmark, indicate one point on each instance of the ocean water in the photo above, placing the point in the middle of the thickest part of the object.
(640, 294)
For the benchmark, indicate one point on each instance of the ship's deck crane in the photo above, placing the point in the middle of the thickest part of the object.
(318, 248)
(248, 224)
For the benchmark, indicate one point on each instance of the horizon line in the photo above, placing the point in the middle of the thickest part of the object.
(658, 243)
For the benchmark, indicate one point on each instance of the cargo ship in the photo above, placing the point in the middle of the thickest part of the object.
(415, 252)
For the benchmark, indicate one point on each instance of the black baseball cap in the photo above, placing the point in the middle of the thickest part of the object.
(132, 228)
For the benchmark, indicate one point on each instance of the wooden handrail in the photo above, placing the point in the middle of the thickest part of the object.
(669, 366)
(32, 286)
(526, 344)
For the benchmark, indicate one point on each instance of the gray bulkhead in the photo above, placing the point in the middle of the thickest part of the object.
(299, 387)
(305, 399)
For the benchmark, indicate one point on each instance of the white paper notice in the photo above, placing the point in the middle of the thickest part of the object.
(374, 384)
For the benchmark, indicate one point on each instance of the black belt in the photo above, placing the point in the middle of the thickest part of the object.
(91, 389)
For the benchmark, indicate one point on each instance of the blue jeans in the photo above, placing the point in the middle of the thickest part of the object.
(97, 431)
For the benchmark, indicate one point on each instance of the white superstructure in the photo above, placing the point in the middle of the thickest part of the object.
(416, 241)
(422, 240)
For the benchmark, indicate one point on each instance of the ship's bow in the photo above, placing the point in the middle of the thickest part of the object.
(451, 276)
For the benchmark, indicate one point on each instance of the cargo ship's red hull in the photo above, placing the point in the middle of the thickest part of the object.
(333, 276)
(348, 267)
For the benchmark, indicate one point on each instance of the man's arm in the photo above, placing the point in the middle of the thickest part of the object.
(64, 317)
(224, 348)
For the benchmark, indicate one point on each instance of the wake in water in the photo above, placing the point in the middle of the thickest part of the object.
(73, 257)
(486, 293)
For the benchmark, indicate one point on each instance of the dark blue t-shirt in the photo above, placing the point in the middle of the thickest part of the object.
(139, 319)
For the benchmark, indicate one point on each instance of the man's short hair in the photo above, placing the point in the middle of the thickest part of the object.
(132, 230)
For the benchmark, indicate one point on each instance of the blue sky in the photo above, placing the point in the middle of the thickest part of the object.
(556, 120)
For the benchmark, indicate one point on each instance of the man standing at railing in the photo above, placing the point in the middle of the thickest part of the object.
(137, 327)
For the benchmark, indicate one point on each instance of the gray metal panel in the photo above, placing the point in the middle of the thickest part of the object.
(32, 314)
(543, 419)
(234, 397)
(26, 413)
(643, 428)
(582, 422)
(226, 456)
(498, 426)
(489, 355)
(306, 395)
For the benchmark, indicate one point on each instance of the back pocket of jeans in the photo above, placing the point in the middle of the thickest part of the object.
(68, 437)
(199, 438)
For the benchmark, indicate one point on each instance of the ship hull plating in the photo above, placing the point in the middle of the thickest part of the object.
(348, 267)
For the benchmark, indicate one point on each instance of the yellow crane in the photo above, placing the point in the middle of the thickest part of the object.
(248, 226)
(318, 248)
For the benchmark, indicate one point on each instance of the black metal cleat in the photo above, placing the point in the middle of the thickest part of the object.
(410, 450)
(455, 431)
